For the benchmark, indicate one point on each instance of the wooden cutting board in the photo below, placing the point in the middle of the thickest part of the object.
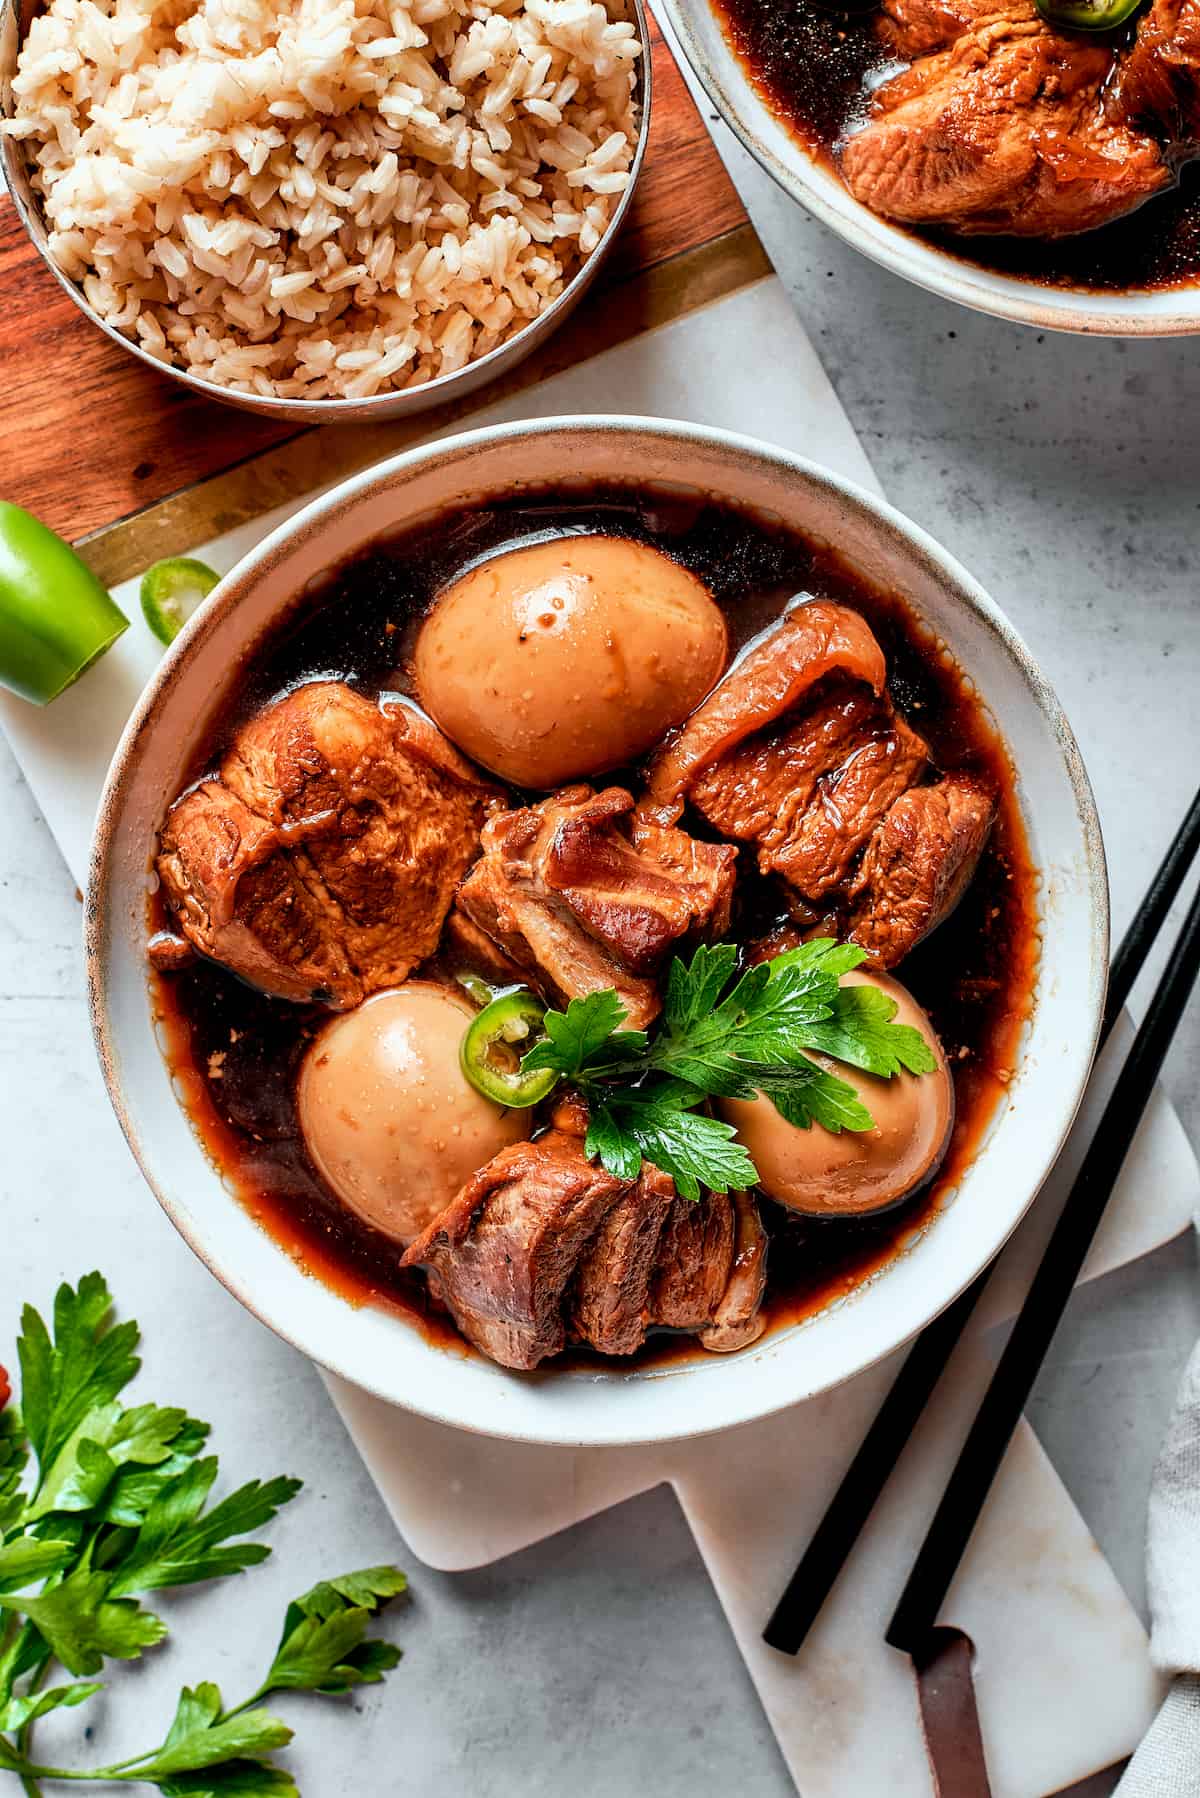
(147, 437)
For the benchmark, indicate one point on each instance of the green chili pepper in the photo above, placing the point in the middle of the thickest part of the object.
(56, 618)
(1087, 15)
(479, 991)
(171, 592)
(494, 1044)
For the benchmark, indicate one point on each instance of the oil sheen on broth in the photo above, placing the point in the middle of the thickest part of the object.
(235, 1052)
(814, 66)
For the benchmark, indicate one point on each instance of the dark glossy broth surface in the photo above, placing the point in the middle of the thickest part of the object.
(235, 1053)
(811, 64)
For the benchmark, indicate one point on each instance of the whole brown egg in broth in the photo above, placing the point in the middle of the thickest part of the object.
(856, 1173)
(388, 1117)
(561, 660)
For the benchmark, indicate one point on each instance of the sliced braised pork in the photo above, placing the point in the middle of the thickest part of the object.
(502, 1253)
(323, 860)
(768, 680)
(918, 865)
(609, 1301)
(695, 1260)
(563, 892)
(543, 1247)
(737, 1318)
(810, 791)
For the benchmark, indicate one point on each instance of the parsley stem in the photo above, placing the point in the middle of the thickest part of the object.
(121, 1770)
(25, 1734)
(247, 1704)
(9, 1642)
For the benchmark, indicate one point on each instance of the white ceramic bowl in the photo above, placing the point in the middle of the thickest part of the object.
(383, 1353)
(1170, 312)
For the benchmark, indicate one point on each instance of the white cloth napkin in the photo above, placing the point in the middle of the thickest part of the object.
(1167, 1764)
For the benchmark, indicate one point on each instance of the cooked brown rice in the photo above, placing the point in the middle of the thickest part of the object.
(325, 198)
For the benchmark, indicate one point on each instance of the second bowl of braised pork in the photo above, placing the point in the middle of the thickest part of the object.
(592, 955)
(1034, 159)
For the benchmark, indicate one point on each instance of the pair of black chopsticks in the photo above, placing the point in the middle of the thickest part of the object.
(913, 1623)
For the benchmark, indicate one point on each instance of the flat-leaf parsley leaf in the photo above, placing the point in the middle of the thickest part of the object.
(726, 1032)
(117, 1505)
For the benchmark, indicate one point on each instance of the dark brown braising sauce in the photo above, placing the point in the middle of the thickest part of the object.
(814, 67)
(234, 1053)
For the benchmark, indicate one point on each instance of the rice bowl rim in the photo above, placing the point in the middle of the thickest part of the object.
(15, 16)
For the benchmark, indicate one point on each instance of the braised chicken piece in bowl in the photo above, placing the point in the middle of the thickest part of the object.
(530, 981)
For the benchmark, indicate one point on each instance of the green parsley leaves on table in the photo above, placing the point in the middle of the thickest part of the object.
(102, 1504)
(726, 1034)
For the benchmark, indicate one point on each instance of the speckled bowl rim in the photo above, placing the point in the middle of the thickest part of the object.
(394, 403)
(219, 613)
(922, 263)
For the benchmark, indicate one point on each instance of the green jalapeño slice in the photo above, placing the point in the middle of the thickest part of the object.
(493, 1047)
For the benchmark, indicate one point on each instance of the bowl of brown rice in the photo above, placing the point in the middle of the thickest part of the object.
(324, 210)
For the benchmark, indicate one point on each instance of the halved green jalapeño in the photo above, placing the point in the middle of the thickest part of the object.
(171, 592)
(1087, 15)
(494, 1044)
(56, 617)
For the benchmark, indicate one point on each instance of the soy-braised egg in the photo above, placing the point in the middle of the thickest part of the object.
(856, 1172)
(557, 660)
(389, 1118)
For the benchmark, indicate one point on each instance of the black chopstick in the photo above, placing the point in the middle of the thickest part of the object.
(1150, 917)
(1053, 1284)
(868, 1473)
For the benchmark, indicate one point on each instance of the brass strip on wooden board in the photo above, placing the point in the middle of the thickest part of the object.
(319, 458)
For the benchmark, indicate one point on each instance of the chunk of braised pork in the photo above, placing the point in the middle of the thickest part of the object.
(322, 861)
(567, 896)
(918, 865)
(1158, 78)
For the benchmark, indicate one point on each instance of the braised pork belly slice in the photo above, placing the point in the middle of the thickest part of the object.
(998, 126)
(502, 1253)
(568, 897)
(321, 863)
(768, 680)
(737, 1318)
(918, 865)
(694, 1262)
(609, 1300)
(542, 1248)
(662, 1261)
(810, 791)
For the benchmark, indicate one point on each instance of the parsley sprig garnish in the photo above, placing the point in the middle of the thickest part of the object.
(101, 1504)
(726, 1034)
